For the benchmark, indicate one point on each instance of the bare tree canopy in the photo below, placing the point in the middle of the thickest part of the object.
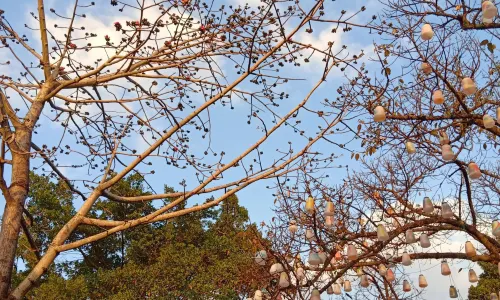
(374, 159)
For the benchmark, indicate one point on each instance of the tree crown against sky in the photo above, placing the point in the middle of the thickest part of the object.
(163, 88)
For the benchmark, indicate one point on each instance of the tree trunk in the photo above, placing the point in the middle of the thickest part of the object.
(11, 221)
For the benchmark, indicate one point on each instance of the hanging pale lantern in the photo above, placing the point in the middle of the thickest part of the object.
(310, 235)
(468, 86)
(453, 292)
(406, 286)
(410, 148)
(364, 281)
(410, 237)
(310, 205)
(293, 226)
(379, 114)
(329, 209)
(472, 276)
(352, 253)
(390, 275)
(445, 268)
(422, 282)
(347, 286)
(488, 121)
(446, 211)
(443, 138)
(493, 296)
(438, 97)
(257, 295)
(276, 269)
(495, 227)
(406, 260)
(315, 295)
(382, 233)
(446, 153)
(474, 172)
(284, 281)
(336, 289)
(427, 33)
(260, 257)
(314, 258)
(322, 256)
(424, 241)
(470, 251)
(329, 290)
(426, 68)
(489, 10)
(329, 221)
(428, 207)
(382, 270)
(300, 274)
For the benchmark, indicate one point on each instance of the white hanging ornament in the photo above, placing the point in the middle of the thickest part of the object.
(474, 172)
(446, 153)
(427, 33)
(410, 237)
(300, 274)
(276, 269)
(446, 211)
(352, 253)
(347, 286)
(364, 282)
(428, 207)
(426, 68)
(257, 295)
(379, 114)
(472, 276)
(293, 228)
(470, 251)
(487, 21)
(453, 292)
(284, 280)
(260, 257)
(488, 121)
(310, 205)
(410, 148)
(329, 290)
(468, 86)
(438, 97)
(489, 10)
(329, 208)
(422, 282)
(382, 270)
(495, 228)
(424, 241)
(406, 286)
(337, 289)
(445, 268)
(406, 260)
(390, 275)
(310, 235)
(314, 258)
(315, 295)
(382, 233)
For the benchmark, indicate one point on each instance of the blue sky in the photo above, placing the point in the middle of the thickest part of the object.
(230, 131)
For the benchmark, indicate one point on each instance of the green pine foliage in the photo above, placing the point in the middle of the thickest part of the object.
(202, 255)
